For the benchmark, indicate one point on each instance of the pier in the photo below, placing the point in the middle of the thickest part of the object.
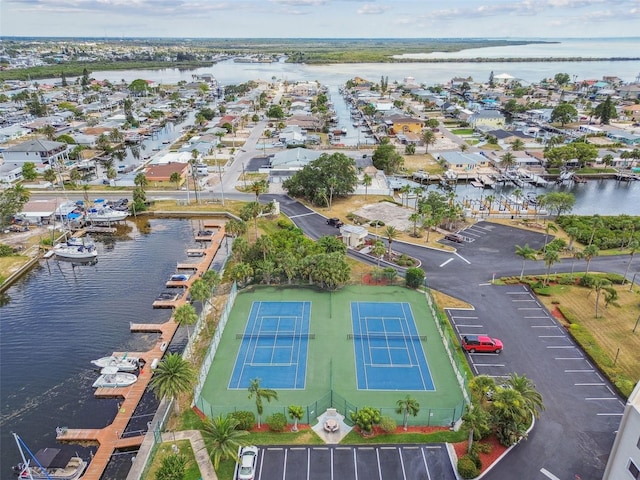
(112, 438)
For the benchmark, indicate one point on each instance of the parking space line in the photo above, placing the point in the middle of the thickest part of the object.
(404, 472)
(331, 463)
(601, 398)
(462, 258)
(490, 364)
(529, 308)
(569, 358)
(355, 463)
(379, 466)
(544, 326)
(309, 463)
(284, 471)
(445, 262)
(548, 474)
(609, 388)
(524, 300)
(560, 346)
(589, 384)
(551, 336)
(578, 371)
(609, 414)
(518, 293)
(426, 466)
(546, 317)
(470, 326)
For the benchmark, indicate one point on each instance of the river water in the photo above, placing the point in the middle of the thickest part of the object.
(59, 317)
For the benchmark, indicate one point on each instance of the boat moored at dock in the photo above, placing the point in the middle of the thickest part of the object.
(48, 464)
(111, 377)
(123, 364)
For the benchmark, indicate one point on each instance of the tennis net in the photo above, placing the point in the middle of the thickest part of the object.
(388, 336)
(310, 336)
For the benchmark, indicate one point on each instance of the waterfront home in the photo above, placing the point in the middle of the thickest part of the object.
(37, 151)
(463, 162)
(292, 160)
(403, 124)
(507, 137)
(162, 173)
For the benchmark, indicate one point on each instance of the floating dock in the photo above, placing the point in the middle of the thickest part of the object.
(110, 438)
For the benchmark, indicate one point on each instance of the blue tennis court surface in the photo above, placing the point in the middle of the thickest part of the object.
(274, 346)
(388, 348)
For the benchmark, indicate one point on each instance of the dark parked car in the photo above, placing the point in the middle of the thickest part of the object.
(454, 237)
(336, 222)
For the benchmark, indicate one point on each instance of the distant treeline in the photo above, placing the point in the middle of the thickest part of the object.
(75, 69)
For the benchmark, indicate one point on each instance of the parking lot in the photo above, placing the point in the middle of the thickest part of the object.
(379, 462)
(537, 345)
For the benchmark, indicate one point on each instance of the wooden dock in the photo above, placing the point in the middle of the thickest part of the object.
(110, 438)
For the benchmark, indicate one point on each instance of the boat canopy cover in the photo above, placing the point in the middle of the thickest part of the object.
(74, 215)
(53, 457)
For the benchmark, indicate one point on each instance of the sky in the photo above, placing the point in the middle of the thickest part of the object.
(320, 18)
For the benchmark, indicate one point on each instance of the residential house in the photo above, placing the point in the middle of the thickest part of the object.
(162, 173)
(292, 135)
(13, 132)
(37, 151)
(487, 119)
(304, 89)
(403, 124)
(292, 160)
(507, 137)
(463, 162)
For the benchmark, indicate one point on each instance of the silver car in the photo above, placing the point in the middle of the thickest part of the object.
(248, 458)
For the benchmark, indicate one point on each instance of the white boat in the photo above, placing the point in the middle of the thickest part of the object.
(123, 364)
(49, 464)
(105, 214)
(71, 252)
(111, 377)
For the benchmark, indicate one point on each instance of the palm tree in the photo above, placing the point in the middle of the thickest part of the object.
(428, 138)
(510, 415)
(588, 253)
(224, 437)
(235, 227)
(295, 412)
(517, 193)
(532, 398)
(377, 250)
(572, 233)
(185, 315)
(175, 178)
(550, 227)
(481, 387)
(366, 181)
(490, 199)
(391, 233)
(477, 421)
(405, 190)
(633, 246)
(415, 218)
(199, 291)
(173, 377)
(407, 406)
(600, 284)
(551, 257)
(597, 223)
(527, 253)
(258, 187)
(141, 180)
(464, 147)
(577, 255)
(517, 144)
(260, 393)
(508, 160)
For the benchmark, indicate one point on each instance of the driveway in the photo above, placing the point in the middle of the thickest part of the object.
(344, 462)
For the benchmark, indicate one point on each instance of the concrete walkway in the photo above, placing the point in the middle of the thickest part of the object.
(199, 450)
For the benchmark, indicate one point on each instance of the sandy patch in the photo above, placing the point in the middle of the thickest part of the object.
(389, 213)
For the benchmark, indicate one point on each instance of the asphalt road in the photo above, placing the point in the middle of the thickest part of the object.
(576, 431)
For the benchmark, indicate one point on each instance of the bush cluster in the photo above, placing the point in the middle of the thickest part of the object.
(277, 422)
(246, 420)
(388, 424)
(467, 467)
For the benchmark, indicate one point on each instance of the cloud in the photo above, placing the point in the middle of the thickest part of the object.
(369, 9)
(124, 7)
(301, 3)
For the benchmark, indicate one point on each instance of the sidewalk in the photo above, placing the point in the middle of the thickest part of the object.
(199, 450)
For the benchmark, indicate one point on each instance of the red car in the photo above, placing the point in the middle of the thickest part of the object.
(481, 343)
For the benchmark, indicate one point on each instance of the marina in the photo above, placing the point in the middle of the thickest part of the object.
(114, 384)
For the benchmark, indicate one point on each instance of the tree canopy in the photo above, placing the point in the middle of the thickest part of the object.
(386, 158)
(324, 179)
(564, 113)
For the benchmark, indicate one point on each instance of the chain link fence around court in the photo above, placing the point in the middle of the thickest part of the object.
(425, 417)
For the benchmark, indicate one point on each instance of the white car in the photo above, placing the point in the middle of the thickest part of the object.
(248, 458)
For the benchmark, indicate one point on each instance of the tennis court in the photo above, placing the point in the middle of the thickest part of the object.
(327, 368)
(388, 349)
(274, 346)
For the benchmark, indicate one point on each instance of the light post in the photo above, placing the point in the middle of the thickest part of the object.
(244, 176)
(221, 187)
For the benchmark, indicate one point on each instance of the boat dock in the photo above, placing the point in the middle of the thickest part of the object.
(112, 438)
